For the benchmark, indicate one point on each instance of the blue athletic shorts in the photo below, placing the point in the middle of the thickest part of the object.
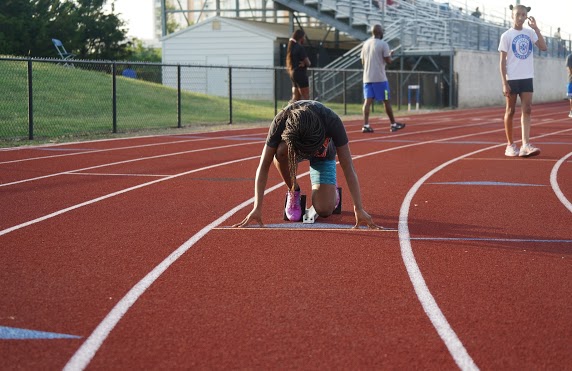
(570, 90)
(322, 171)
(377, 90)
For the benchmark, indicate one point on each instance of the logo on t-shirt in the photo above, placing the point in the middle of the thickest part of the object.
(323, 150)
(522, 46)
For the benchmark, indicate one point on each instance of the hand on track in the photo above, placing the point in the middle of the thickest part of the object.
(364, 218)
(254, 215)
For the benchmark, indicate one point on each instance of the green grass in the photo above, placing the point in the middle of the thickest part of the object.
(76, 103)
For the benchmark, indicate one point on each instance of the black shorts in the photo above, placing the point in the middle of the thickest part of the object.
(520, 86)
(299, 79)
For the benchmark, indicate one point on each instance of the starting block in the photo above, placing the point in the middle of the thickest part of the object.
(310, 216)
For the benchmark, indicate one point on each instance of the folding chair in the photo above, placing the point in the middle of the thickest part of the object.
(63, 52)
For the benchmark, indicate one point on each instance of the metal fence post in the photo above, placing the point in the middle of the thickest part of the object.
(275, 91)
(30, 102)
(344, 93)
(230, 95)
(178, 95)
(114, 95)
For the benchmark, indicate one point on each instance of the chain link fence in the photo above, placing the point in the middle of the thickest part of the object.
(44, 99)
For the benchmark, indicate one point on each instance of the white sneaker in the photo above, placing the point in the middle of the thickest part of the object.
(570, 114)
(511, 150)
(528, 150)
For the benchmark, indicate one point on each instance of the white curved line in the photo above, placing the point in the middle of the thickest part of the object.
(437, 318)
(554, 183)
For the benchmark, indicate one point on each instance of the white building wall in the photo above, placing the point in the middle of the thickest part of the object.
(217, 42)
(479, 81)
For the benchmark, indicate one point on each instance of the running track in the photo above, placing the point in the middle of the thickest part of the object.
(116, 254)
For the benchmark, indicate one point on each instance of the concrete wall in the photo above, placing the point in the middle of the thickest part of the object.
(480, 85)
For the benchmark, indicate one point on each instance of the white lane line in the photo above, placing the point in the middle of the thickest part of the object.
(522, 240)
(89, 152)
(437, 318)
(554, 183)
(77, 206)
(128, 161)
(205, 149)
(126, 175)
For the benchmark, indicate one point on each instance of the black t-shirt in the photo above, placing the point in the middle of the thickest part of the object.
(297, 54)
(335, 131)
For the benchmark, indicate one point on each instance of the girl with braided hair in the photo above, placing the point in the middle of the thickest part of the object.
(308, 130)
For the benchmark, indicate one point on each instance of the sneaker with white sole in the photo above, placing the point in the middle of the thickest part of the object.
(511, 150)
(293, 207)
(570, 114)
(367, 129)
(396, 126)
(528, 150)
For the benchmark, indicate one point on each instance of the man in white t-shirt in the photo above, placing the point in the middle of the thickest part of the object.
(517, 71)
(375, 54)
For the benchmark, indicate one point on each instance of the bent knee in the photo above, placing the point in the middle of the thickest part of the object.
(323, 212)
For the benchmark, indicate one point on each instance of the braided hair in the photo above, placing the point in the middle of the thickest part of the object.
(304, 135)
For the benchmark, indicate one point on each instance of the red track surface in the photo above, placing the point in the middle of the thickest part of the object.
(119, 243)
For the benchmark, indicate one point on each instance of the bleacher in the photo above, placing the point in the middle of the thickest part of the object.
(414, 27)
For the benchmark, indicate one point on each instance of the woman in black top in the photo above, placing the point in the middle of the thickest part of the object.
(297, 63)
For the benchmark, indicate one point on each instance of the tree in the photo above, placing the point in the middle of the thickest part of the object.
(27, 27)
(142, 53)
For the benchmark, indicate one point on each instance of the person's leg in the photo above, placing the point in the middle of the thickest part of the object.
(508, 117)
(303, 85)
(384, 92)
(526, 108)
(305, 93)
(281, 164)
(324, 189)
(511, 148)
(526, 149)
(293, 208)
(366, 109)
(388, 110)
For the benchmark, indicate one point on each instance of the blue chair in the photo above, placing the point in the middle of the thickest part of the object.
(63, 52)
(130, 73)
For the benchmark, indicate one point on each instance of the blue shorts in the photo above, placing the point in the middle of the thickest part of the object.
(377, 90)
(322, 171)
(570, 90)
